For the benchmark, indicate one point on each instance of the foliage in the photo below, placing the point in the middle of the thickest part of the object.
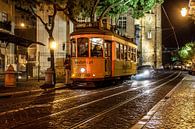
(100, 8)
(115, 7)
(187, 52)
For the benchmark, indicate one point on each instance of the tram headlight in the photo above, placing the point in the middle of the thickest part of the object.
(82, 70)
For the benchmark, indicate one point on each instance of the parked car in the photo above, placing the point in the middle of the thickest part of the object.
(145, 71)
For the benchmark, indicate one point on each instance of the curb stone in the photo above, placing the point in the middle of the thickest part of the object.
(145, 119)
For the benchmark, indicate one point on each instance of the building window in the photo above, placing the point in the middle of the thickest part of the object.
(149, 35)
(4, 16)
(122, 22)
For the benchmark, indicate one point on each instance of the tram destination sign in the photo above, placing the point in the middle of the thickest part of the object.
(81, 62)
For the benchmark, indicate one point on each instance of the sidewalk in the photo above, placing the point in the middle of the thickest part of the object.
(175, 111)
(25, 88)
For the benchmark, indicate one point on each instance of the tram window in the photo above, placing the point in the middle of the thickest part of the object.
(73, 47)
(82, 46)
(135, 53)
(132, 54)
(125, 52)
(107, 48)
(117, 51)
(122, 51)
(96, 47)
(128, 52)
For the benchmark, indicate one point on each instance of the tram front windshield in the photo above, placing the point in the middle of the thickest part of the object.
(96, 47)
(83, 47)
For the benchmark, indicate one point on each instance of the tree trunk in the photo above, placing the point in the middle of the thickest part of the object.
(92, 17)
(67, 36)
(52, 60)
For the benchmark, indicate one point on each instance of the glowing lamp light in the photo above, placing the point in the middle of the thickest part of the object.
(184, 12)
(53, 45)
(22, 24)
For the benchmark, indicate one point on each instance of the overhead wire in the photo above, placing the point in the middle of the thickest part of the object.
(175, 36)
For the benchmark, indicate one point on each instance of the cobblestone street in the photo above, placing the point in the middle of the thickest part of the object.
(177, 112)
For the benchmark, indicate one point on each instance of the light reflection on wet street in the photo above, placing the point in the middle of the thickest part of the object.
(110, 107)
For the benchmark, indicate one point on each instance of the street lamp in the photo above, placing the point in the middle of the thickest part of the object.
(184, 12)
(22, 25)
(53, 46)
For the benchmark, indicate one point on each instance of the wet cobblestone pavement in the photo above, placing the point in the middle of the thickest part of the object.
(178, 112)
(111, 107)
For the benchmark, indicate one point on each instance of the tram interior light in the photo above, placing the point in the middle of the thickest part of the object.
(97, 40)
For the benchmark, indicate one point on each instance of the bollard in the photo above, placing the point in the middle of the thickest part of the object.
(49, 76)
(10, 77)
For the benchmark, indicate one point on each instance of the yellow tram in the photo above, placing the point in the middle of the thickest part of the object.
(98, 55)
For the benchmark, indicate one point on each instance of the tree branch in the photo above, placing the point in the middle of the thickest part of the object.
(59, 8)
(36, 15)
(94, 10)
(108, 9)
(53, 18)
(70, 17)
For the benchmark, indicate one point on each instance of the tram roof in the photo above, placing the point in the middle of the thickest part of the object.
(91, 30)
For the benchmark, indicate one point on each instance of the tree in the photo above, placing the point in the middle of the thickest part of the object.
(102, 8)
(187, 52)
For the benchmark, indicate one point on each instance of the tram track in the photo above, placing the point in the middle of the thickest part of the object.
(92, 102)
(77, 125)
(78, 96)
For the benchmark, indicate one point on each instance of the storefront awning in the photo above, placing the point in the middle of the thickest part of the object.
(9, 38)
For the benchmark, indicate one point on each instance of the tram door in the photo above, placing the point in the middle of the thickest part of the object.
(108, 57)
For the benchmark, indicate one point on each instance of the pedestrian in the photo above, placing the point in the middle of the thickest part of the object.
(68, 70)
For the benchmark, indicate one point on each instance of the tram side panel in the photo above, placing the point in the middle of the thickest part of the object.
(124, 68)
(121, 67)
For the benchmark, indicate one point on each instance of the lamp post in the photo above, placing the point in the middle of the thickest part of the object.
(52, 48)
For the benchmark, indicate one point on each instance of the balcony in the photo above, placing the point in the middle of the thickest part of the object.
(6, 25)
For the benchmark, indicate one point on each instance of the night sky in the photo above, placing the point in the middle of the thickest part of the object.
(184, 26)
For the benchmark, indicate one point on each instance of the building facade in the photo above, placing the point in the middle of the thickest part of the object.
(148, 36)
(146, 33)
(7, 20)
